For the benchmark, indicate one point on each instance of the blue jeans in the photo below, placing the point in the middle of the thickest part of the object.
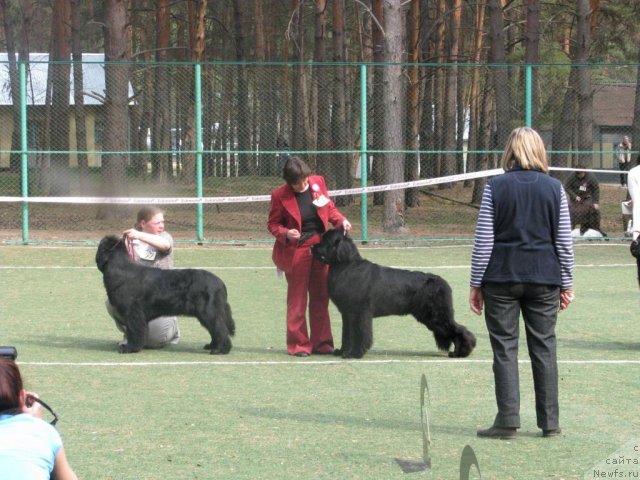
(539, 306)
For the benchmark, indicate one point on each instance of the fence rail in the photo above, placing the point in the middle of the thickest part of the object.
(207, 141)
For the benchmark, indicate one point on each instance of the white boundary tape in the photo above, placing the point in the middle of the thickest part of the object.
(266, 198)
(247, 198)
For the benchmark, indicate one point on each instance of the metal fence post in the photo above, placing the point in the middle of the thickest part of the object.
(528, 94)
(198, 119)
(363, 149)
(24, 157)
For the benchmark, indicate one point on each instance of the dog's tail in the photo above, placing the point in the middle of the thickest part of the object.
(437, 313)
(459, 336)
(464, 342)
(231, 326)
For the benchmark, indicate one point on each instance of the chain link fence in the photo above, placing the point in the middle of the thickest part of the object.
(83, 145)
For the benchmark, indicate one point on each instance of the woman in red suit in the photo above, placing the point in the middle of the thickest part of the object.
(300, 213)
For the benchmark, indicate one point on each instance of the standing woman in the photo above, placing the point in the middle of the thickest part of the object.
(30, 448)
(522, 261)
(300, 213)
(152, 246)
(623, 155)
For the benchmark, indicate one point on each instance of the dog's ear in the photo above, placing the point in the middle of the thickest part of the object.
(101, 257)
(106, 246)
(344, 248)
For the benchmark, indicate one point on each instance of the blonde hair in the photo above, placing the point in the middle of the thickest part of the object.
(525, 149)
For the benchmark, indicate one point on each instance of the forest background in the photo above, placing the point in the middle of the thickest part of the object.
(285, 75)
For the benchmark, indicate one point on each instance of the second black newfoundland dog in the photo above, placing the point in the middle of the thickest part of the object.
(140, 294)
(362, 290)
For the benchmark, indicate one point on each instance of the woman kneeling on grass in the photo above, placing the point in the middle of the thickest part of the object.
(153, 247)
(30, 448)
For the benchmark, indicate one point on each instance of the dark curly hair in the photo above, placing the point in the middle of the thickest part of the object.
(295, 170)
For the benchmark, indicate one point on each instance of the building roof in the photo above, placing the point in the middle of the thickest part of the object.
(37, 70)
(613, 105)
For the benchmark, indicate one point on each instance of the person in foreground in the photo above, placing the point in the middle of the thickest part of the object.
(30, 448)
(522, 261)
(151, 245)
(300, 213)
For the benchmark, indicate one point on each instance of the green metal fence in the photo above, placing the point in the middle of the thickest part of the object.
(207, 141)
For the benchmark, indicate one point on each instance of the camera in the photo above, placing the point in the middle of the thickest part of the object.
(8, 352)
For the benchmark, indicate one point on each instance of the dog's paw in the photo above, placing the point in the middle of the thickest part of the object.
(127, 348)
(353, 354)
(222, 349)
(207, 346)
(337, 352)
(219, 351)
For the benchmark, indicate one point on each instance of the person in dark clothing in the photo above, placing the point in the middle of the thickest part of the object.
(522, 261)
(583, 190)
(623, 156)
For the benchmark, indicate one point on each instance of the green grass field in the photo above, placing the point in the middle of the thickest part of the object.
(257, 413)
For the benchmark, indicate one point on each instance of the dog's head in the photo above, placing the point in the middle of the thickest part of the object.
(106, 249)
(335, 247)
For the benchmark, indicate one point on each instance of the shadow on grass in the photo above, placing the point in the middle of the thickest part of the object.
(598, 345)
(197, 347)
(361, 421)
(76, 343)
(337, 420)
(405, 353)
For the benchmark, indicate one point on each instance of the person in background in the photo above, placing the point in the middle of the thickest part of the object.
(151, 245)
(300, 213)
(623, 156)
(30, 448)
(522, 262)
(583, 190)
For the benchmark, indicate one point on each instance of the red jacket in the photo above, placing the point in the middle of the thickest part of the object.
(285, 215)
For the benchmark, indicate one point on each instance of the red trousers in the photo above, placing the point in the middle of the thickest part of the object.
(307, 283)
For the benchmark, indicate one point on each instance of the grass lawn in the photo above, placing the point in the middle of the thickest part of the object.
(257, 413)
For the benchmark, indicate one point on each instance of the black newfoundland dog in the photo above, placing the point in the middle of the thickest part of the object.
(362, 290)
(140, 294)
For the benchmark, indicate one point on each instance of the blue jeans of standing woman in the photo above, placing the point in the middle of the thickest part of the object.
(539, 307)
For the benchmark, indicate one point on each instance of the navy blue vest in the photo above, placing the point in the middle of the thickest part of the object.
(526, 207)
